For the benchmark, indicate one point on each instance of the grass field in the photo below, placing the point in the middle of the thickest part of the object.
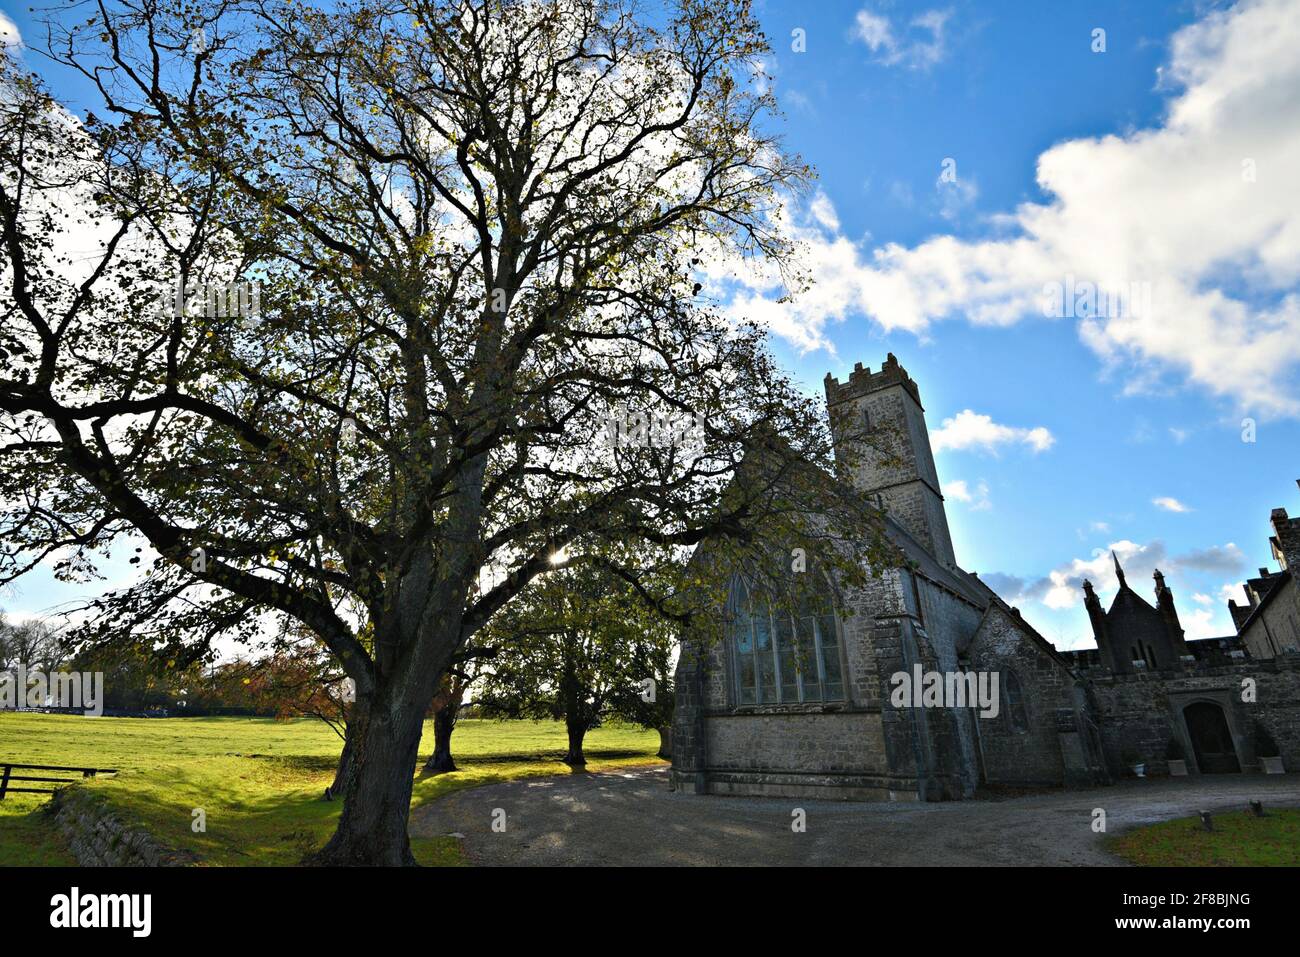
(1239, 839)
(259, 781)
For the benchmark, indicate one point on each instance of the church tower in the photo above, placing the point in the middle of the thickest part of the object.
(881, 442)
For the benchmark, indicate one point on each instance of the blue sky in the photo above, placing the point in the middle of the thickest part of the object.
(885, 92)
(1058, 437)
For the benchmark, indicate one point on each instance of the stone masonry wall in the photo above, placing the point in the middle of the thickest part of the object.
(1140, 712)
(904, 476)
(99, 839)
(825, 742)
(688, 723)
(879, 597)
(1276, 630)
(1011, 756)
(835, 750)
(946, 619)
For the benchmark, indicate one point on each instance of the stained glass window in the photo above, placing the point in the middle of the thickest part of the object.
(783, 658)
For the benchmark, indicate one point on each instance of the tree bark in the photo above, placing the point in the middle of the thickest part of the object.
(444, 723)
(577, 731)
(666, 742)
(372, 830)
(344, 769)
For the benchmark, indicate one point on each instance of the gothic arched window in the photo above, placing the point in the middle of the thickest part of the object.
(1015, 702)
(782, 657)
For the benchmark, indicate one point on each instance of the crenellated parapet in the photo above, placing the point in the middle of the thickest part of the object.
(863, 381)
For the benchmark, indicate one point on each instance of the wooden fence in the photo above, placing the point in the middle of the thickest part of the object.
(7, 775)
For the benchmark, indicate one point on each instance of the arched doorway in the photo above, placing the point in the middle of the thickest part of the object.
(1211, 739)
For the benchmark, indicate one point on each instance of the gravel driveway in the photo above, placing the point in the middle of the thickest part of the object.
(631, 817)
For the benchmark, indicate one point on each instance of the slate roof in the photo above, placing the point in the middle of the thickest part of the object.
(1274, 589)
(957, 581)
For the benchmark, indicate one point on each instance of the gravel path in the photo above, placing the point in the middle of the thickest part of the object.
(631, 817)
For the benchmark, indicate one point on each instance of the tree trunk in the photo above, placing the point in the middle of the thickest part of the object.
(344, 769)
(444, 723)
(666, 742)
(577, 731)
(377, 794)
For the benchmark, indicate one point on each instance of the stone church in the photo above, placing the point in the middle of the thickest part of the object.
(751, 717)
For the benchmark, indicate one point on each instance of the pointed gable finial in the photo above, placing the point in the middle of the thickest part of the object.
(1119, 572)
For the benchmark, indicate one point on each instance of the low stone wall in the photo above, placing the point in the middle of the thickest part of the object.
(1139, 712)
(99, 839)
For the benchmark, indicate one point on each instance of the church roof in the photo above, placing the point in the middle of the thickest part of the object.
(968, 586)
(1127, 603)
(954, 579)
(1265, 583)
(959, 582)
(1276, 587)
(1131, 620)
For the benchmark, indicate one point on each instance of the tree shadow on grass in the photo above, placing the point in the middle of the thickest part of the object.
(553, 756)
(268, 810)
(253, 811)
(301, 763)
(28, 835)
(552, 760)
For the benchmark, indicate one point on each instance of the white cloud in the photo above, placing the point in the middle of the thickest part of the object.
(1062, 587)
(971, 430)
(1169, 504)
(874, 31)
(955, 195)
(1099, 526)
(1203, 623)
(957, 489)
(1233, 591)
(762, 69)
(10, 36)
(1202, 210)
(823, 210)
(1202, 599)
(918, 45)
(977, 498)
(1220, 559)
(799, 101)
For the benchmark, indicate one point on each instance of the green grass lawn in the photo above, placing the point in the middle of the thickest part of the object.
(1238, 840)
(259, 781)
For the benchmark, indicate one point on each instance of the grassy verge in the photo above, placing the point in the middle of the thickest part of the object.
(1239, 839)
(258, 781)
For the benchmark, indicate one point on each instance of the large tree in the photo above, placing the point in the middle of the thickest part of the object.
(460, 677)
(34, 644)
(577, 645)
(481, 232)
